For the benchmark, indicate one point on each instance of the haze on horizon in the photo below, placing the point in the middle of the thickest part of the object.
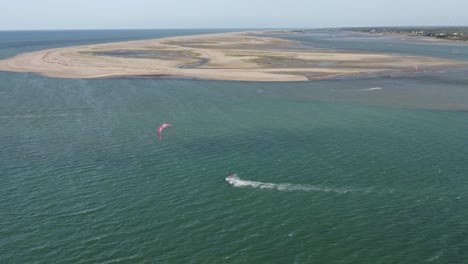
(158, 14)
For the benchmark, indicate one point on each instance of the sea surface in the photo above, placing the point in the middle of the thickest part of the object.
(370, 169)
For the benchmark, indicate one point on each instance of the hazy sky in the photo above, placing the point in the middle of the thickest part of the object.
(123, 14)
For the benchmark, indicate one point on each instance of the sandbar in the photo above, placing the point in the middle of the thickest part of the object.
(235, 56)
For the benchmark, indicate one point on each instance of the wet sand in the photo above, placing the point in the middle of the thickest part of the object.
(240, 56)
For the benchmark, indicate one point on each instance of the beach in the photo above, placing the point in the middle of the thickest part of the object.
(234, 56)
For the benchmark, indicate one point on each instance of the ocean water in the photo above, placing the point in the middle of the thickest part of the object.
(352, 170)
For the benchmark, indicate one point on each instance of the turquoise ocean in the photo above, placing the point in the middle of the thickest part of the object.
(368, 169)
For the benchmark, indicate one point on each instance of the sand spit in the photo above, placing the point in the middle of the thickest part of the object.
(240, 56)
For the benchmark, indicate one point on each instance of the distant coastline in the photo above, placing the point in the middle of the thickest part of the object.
(447, 33)
(236, 56)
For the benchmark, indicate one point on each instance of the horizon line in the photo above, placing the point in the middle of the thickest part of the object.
(233, 28)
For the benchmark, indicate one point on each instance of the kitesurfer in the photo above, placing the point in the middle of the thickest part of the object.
(229, 175)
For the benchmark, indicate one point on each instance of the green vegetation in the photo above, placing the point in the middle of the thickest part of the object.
(452, 33)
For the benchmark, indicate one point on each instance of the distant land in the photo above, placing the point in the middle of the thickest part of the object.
(449, 33)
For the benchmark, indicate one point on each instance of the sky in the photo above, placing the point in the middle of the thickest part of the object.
(168, 14)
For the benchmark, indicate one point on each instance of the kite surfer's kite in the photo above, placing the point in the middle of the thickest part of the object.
(160, 129)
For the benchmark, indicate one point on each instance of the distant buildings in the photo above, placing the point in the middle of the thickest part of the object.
(444, 33)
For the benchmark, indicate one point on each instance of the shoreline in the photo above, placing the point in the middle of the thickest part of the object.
(232, 56)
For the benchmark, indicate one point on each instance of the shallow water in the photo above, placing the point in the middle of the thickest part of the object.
(333, 171)
(396, 44)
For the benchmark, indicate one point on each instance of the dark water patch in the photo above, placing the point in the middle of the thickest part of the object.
(157, 54)
(143, 76)
(198, 63)
(282, 62)
(163, 55)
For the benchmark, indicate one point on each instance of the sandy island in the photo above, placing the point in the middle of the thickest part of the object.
(241, 56)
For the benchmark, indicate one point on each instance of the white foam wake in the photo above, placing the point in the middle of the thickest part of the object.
(237, 182)
(358, 90)
(370, 89)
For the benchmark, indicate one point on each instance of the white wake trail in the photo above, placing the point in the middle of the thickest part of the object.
(237, 182)
(370, 89)
(358, 90)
